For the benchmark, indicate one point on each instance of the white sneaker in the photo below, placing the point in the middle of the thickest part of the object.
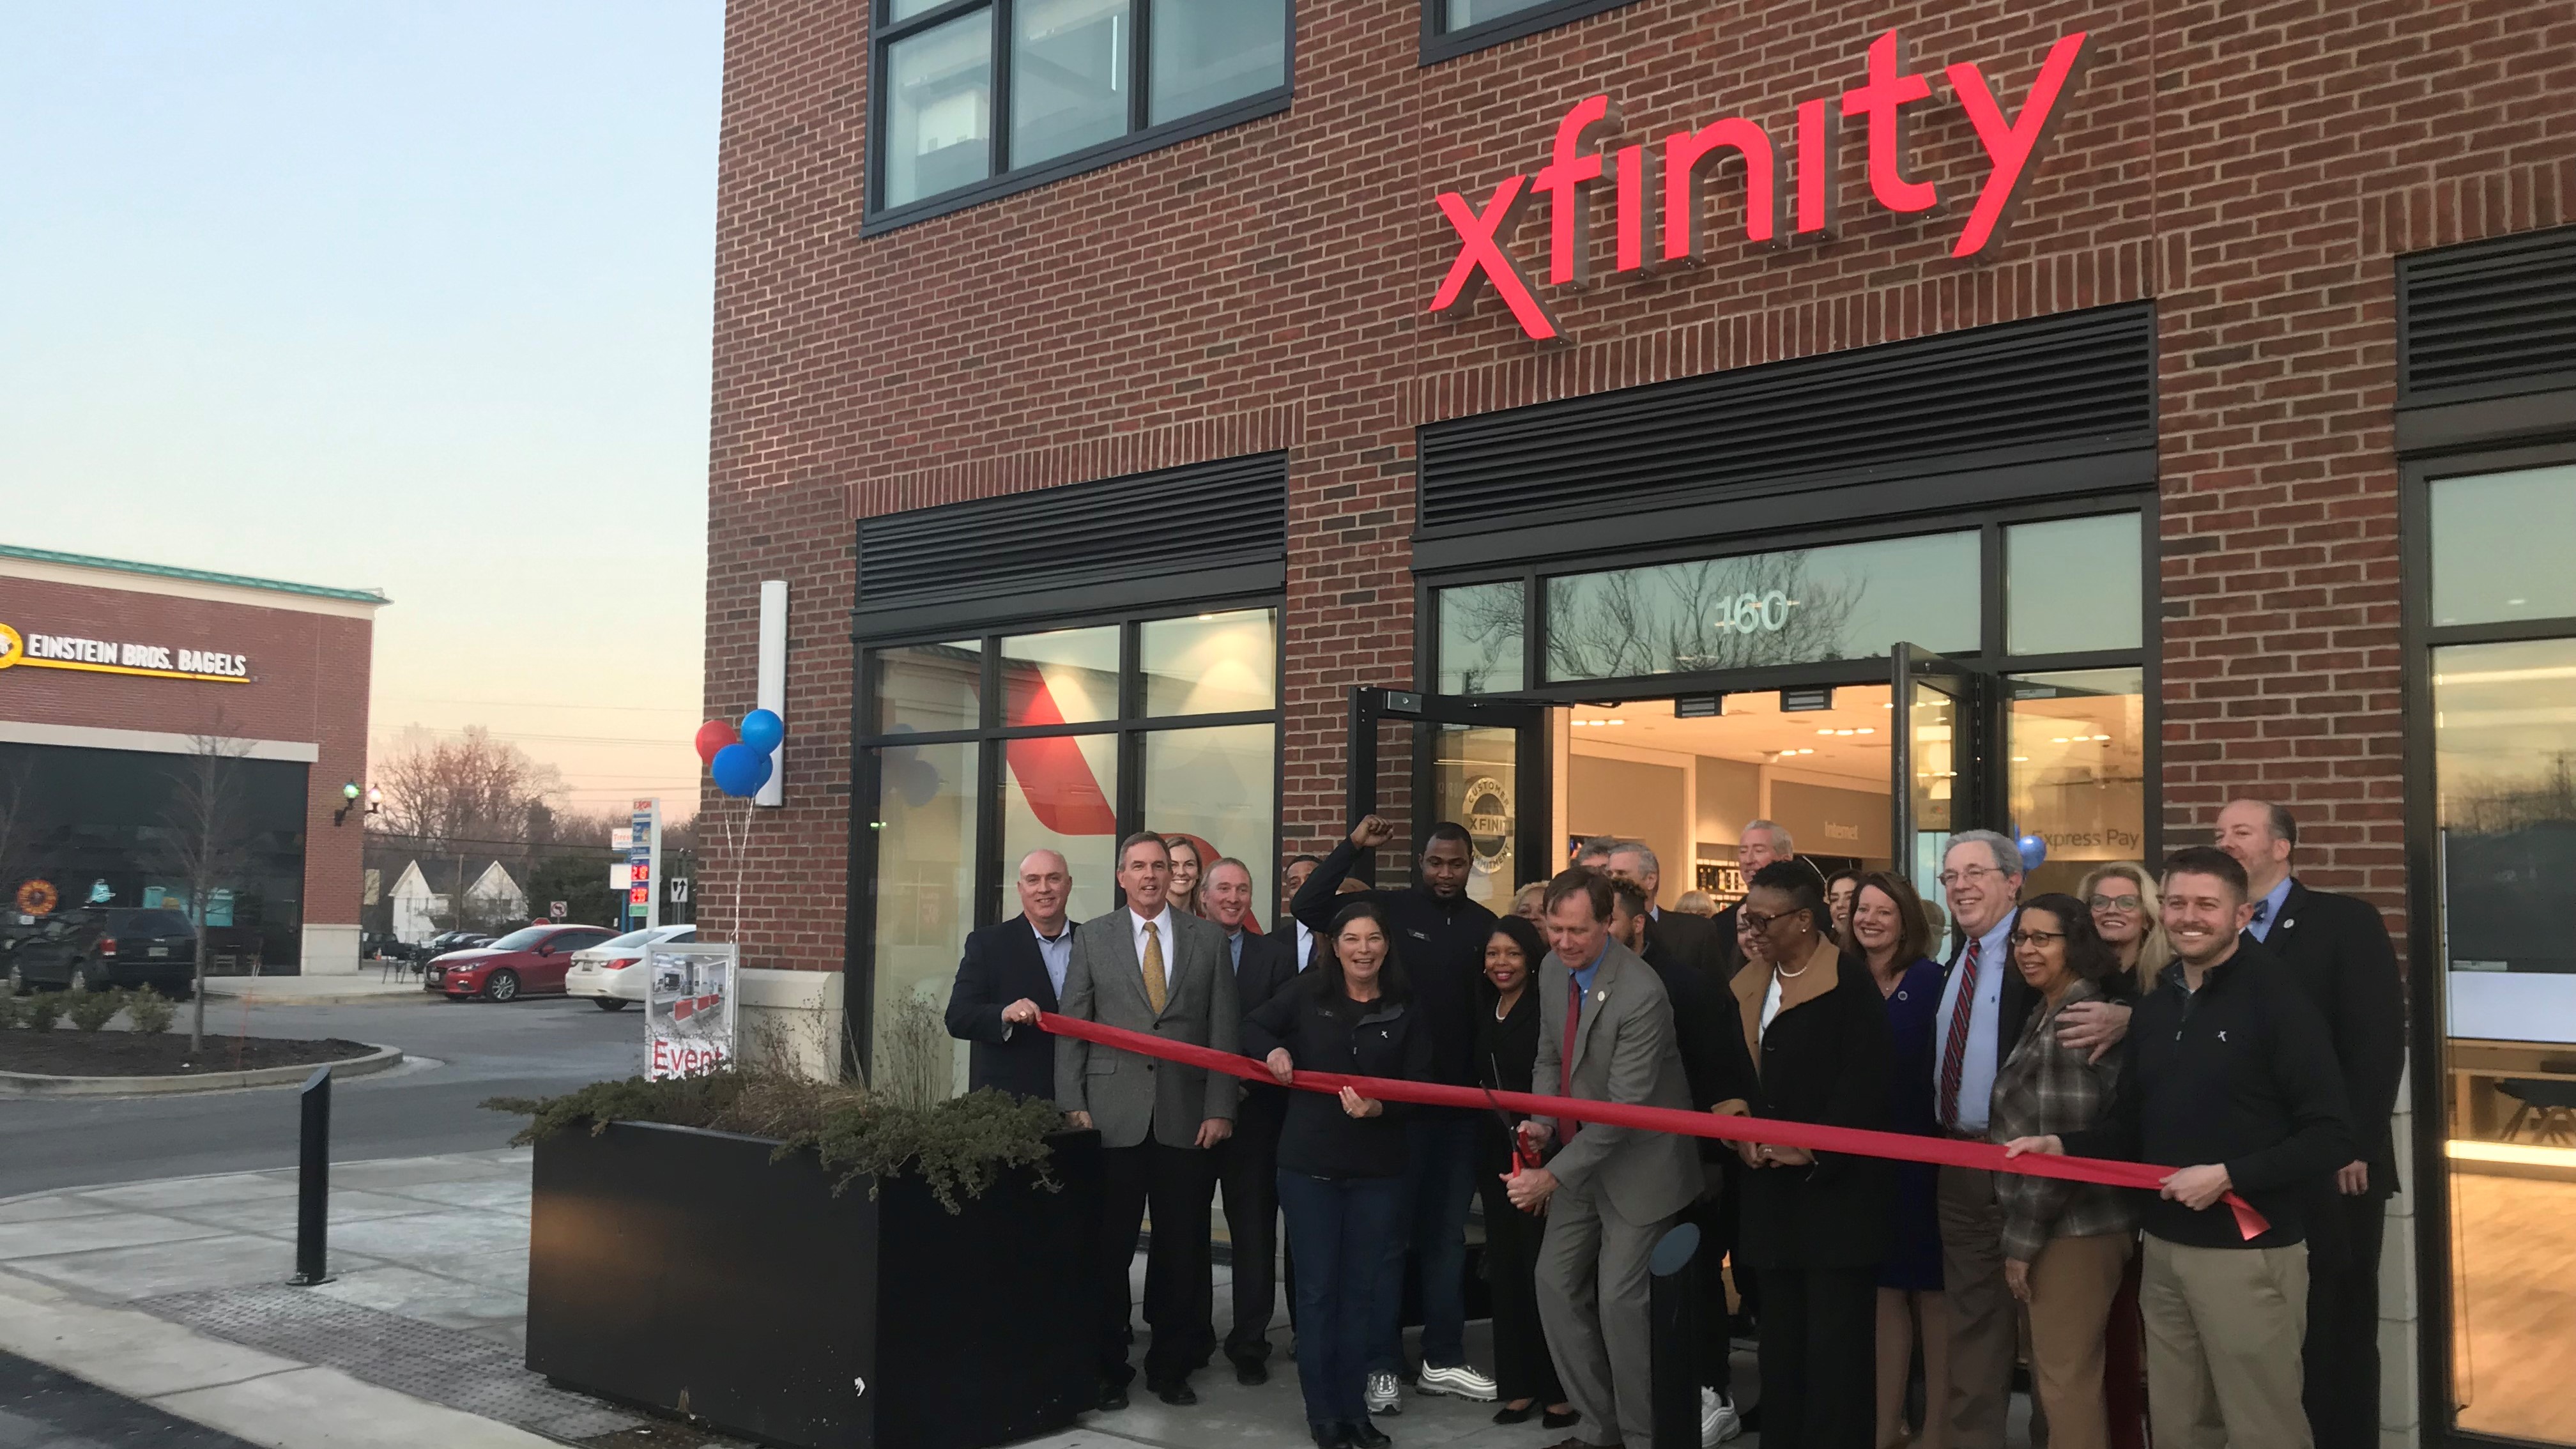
(1385, 1394)
(1717, 1419)
(1459, 1380)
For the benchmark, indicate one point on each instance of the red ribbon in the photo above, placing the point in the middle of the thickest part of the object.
(1813, 1136)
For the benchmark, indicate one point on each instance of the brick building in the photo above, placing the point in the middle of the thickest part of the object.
(1885, 420)
(111, 671)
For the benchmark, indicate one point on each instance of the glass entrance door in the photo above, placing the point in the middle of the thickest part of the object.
(1936, 771)
(1481, 763)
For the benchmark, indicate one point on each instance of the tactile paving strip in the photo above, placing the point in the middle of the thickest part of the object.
(450, 1366)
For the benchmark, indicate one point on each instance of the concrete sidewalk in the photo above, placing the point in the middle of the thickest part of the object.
(172, 1293)
(362, 989)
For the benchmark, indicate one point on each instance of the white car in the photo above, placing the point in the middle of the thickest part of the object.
(601, 973)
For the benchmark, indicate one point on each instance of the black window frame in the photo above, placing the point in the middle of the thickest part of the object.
(1440, 43)
(876, 218)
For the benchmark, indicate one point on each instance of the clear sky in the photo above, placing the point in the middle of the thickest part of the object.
(406, 296)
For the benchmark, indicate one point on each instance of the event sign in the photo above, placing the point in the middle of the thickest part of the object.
(688, 1009)
(1662, 191)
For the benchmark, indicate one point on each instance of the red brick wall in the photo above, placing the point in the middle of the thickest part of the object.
(308, 684)
(2251, 168)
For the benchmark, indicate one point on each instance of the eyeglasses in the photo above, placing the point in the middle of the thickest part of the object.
(1760, 923)
(1971, 874)
(2033, 938)
(2115, 903)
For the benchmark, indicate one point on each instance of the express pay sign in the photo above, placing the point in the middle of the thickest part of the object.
(1660, 209)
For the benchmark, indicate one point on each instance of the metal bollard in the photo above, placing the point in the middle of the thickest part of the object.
(313, 1184)
(1672, 1317)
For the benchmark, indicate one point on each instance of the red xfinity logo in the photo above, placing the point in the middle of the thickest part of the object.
(1803, 208)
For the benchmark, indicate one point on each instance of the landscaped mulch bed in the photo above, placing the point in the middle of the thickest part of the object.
(65, 1052)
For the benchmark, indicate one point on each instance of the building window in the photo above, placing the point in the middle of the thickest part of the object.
(981, 98)
(1064, 739)
(2502, 690)
(1455, 27)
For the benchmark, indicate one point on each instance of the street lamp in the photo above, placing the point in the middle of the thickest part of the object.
(348, 802)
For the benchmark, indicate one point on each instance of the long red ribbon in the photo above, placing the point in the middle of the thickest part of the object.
(1815, 1137)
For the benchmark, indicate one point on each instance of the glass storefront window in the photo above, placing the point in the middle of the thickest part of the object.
(2504, 730)
(1211, 663)
(925, 826)
(1473, 769)
(1068, 76)
(939, 109)
(1481, 632)
(1219, 786)
(1069, 676)
(1849, 601)
(2499, 546)
(1209, 52)
(930, 687)
(1062, 795)
(2072, 584)
(1459, 14)
(2078, 771)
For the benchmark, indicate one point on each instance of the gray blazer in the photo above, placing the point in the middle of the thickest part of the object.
(1127, 1094)
(1624, 1051)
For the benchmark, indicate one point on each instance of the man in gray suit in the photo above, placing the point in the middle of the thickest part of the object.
(1149, 968)
(1605, 1034)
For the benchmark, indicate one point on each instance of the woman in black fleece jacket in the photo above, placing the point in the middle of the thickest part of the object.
(1342, 1157)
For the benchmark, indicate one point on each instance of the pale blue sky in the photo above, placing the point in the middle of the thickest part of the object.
(411, 296)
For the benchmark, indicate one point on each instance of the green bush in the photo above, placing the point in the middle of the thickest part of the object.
(44, 1009)
(91, 1010)
(959, 1147)
(9, 1009)
(150, 1012)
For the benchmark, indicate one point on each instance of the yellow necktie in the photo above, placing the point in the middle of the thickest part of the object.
(1155, 993)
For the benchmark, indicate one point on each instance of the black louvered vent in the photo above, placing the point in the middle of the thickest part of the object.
(2061, 386)
(1206, 516)
(2488, 319)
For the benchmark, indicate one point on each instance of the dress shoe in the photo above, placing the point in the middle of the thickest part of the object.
(1365, 1435)
(1521, 1415)
(1250, 1371)
(1331, 1436)
(1113, 1397)
(1177, 1393)
(1567, 1420)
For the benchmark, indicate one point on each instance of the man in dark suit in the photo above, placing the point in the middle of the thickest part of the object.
(1011, 972)
(2337, 950)
(1247, 1163)
(1149, 968)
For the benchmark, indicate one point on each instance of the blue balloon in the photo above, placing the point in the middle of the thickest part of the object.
(762, 730)
(741, 770)
(2033, 851)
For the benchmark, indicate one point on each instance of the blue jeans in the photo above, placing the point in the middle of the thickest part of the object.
(1439, 1183)
(1342, 1232)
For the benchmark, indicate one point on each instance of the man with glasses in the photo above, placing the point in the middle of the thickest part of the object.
(2338, 950)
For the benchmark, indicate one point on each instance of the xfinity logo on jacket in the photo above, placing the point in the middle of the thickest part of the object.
(1675, 171)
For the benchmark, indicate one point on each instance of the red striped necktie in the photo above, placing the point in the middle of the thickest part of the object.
(1954, 1049)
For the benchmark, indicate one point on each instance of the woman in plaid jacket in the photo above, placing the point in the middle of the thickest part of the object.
(2065, 1244)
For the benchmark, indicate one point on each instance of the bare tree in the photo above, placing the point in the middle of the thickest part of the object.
(469, 796)
(206, 839)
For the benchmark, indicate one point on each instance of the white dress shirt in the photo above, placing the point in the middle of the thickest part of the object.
(1305, 945)
(1985, 1020)
(1162, 932)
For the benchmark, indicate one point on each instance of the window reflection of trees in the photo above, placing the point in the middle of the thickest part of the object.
(1480, 638)
(1683, 617)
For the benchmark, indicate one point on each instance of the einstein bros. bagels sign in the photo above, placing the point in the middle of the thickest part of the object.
(1660, 203)
(33, 650)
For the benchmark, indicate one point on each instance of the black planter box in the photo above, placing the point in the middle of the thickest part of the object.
(684, 1271)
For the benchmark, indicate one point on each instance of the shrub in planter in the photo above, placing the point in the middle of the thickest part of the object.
(10, 1011)
(810, 1264)
(150, 1012)
(44, 1009)
(92, 1010)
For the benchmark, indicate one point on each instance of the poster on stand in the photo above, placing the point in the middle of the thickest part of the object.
(688, 1009)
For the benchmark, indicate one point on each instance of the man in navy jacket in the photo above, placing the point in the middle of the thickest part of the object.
(1012, 971)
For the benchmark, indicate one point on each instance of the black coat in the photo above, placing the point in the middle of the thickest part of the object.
(1324, 1032)
(1268, 967)
(1730, 956)
(1711, 1038)
(1440, 939)
(1682, 939)
(2238, 1073)
(2337, 949)
(1002, 965)
(1826, 1059)
(1506, 1054)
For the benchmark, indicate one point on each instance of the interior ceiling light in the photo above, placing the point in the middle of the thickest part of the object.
(1867, 730)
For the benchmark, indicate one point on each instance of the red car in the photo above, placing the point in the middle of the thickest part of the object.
(527, 962)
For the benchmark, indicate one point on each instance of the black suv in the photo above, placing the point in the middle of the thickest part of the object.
(94, 948)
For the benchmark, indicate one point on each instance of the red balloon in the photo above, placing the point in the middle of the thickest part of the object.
(714, 735)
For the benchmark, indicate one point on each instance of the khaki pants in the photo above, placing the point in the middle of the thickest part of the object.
(1984, 1323)
(2223, 1333)
(2072, 1283)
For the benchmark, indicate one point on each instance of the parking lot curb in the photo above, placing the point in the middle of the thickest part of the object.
(30, 1084)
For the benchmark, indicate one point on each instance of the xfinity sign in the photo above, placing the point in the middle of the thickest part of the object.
(1660, 207)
